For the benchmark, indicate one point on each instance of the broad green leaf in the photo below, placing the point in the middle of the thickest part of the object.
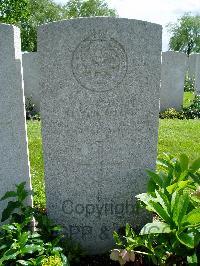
(171, 188)
(187, 239)
(21, 187)
(192, 260)
(29, 249)
(128, 229)
(178, 186)
(151, 186)
(12, 205)
(183, 176)
(165, 178)
(163, 200)
(21, 191)
(174, 200)
(180, 208)
(161, 212)
(155, 228)
(183, 184)
(117, 239)
(8, 227)
(184, 161)
(23, 238)
(9, 194)
(145, 198)
(156, 178)
(10, 254)
(195, 165)
(194, 216)
(164, 163)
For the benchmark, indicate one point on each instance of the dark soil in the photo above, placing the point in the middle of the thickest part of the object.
(104, 260)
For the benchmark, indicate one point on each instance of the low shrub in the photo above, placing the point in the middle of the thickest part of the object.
(189, 85)
(21, 243)
(191, 112)
(173, 236)
(171, 113)
(52, 261)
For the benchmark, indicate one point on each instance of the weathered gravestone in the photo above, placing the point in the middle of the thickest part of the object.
(31, 79)
(197, 74)
(192, 59)
(99, 102)
(14, 164)
(174, 67)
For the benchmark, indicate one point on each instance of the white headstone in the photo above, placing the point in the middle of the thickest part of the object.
(100, 82)
(31, 79)
(174, 67)
(192, 65)
(197, 74)
(14, 163)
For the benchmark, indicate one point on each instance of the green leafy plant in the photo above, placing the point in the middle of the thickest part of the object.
(174, 174)
(173, 197)
(52, 261)
(31, 112)
(19, 243)
(189, 84)
(191, 112)
(171, 113)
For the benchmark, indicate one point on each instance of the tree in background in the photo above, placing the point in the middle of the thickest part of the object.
(12, 10)
(185, 34)
(81, 8)
(29, 14)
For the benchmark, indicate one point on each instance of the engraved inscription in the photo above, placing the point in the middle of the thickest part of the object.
(97, 209)
(88, 232)
(99, 63)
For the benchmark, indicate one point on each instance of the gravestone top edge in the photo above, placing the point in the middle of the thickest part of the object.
(74, 20)
(5, 26)
(175, 53)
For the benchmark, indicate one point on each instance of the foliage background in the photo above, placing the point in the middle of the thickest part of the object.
(29, 14)
(185, 34)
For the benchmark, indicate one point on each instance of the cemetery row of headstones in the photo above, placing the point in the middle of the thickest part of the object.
(174, 67)
(99, 84)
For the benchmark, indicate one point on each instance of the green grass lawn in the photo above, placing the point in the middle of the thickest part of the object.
(175, 137)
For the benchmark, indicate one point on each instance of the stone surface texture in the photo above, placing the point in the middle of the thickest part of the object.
(14, 163)
(100, 81)
(174, 68)
(31, 79)
(192, 65)
(197, 74)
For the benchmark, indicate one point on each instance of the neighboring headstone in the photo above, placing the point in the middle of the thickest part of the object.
(100, 82)
(192, 65)
(174, 67)
(31, 80)
(14, 164)
(197, 74)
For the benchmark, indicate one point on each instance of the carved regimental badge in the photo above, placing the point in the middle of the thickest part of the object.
(99, 63)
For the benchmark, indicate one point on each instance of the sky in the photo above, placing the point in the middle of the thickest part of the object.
(156, 11)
